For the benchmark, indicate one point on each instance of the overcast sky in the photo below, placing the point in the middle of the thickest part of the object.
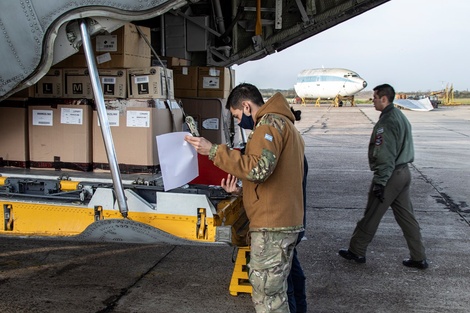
(414, 45)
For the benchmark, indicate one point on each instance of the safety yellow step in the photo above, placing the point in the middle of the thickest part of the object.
(239, 282)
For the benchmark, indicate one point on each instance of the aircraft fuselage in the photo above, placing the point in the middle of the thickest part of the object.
(328, 83)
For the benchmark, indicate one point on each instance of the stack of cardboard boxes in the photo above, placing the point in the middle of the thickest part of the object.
(61, 130)
(203, 82)
(14, 145)
(59, 135)
(203, 92)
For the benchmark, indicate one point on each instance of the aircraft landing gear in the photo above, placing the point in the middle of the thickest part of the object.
(317, 103)
(338, 102)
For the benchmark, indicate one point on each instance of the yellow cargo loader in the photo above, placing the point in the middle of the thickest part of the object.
(35, 205)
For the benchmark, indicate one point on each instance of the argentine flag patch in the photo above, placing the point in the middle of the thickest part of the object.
(268, 137)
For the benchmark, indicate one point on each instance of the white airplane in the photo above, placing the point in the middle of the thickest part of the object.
(423, 104)
(328, 83)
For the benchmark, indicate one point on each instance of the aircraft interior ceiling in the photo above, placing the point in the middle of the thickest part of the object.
(211, 32)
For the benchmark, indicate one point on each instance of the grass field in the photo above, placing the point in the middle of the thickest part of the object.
(363, 97)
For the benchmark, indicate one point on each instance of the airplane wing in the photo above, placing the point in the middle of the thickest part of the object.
(414, 105)
(37, 34)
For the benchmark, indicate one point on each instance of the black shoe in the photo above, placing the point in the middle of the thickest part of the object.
(422, 265)
(348, 255)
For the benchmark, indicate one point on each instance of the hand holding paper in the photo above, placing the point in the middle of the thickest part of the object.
(178, 160)
(201, 144)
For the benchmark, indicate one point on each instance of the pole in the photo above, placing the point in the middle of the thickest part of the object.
(103, 118)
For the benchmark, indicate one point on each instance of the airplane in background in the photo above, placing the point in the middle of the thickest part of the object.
(328, 83)
(423, 104)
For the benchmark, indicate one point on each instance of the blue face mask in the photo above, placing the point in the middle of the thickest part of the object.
(246, 122)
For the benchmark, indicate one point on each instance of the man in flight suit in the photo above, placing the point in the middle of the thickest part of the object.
(390, 151)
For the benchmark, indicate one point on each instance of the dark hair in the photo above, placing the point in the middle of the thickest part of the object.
(385, 90)
(241, 93)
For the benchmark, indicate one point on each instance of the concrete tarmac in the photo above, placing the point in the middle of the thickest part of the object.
(38, 275)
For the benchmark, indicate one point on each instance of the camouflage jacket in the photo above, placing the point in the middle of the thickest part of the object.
(271, 169)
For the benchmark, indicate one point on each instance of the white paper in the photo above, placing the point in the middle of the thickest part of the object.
(106, 43)
(138, 119)
(210, 82)
(178, 160)
(71, 116)
(113, 118)
(103, 58)
(43, 117)
(108, 80)
(141, 79)
(214, 72)
(210, 123)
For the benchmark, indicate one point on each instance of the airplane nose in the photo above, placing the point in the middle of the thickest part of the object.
(364, 84)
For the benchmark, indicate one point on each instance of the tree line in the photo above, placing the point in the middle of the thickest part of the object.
(290, 93)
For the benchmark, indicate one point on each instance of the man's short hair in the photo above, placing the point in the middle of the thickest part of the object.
(385, 90)
(244, 92)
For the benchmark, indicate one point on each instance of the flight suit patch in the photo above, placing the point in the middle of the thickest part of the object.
(378, 140)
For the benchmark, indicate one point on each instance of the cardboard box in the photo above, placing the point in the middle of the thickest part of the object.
(215, 82)
(113, 82)
(170, 62)
(134, 130)
(185, 81)
(14, 149)
(77, 83)
(150, 82)
(123, 48)
(211, 116)
(185, 77)
(185, 93)
(50, 86)
(60, 136)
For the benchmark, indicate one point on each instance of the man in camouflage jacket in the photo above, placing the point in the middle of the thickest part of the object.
(271, 171)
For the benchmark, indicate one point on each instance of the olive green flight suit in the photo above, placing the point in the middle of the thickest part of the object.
(390, 151)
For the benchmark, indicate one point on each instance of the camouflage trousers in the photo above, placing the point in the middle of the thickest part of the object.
(270, 262)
